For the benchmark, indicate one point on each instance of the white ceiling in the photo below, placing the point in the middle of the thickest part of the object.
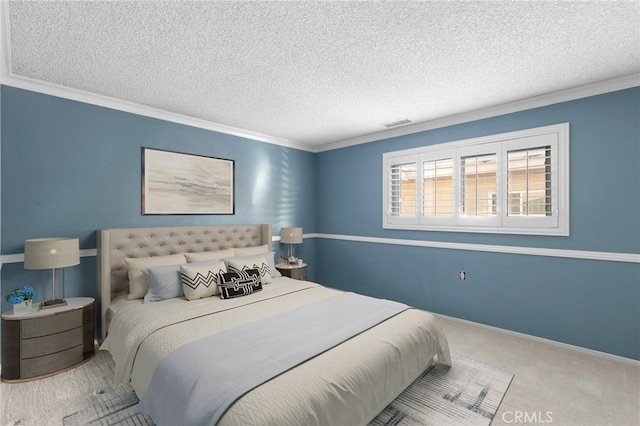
(320, 73)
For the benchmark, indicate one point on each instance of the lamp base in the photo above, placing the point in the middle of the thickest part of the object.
(55, 303)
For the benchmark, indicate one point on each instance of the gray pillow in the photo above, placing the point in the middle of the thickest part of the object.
(138, 286)
(164, 283)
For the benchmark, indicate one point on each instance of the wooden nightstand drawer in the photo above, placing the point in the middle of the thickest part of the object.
(299, 274)
(45, 345)
(42, 365)
(44, 326)
(42, 342)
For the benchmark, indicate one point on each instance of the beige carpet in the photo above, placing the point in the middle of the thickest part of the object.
(553, 385)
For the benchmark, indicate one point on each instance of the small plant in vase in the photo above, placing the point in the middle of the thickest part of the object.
(22, 298)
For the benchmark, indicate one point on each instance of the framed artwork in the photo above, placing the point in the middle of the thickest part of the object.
(178, 183)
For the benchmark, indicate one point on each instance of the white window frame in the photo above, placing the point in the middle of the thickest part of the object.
(556, 136)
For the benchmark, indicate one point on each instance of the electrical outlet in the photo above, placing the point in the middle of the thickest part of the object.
(463, 275)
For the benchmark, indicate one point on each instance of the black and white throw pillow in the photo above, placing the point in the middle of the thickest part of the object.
(239, 283)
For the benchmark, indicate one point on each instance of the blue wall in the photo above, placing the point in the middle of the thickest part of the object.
(70, 168)
(594, 304)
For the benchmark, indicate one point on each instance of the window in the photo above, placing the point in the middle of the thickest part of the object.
(514, 182)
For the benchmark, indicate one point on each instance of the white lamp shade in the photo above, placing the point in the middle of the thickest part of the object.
(51, 253)
(291, 235)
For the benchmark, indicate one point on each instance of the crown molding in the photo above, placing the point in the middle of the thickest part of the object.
(606, 86)
(134, 108)
(26, 83)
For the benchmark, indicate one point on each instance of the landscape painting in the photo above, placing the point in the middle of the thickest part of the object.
(177, 183)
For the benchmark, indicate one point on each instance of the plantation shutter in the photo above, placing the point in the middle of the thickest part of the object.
(479, 184)
(402, 189)
(437, 188)
(529, 186)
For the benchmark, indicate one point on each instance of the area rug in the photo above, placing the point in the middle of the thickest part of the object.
(468, 393)
(117, 410)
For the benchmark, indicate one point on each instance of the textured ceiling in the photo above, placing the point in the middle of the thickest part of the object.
(320, 72)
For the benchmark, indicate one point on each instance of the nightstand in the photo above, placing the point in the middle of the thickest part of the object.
(40, 343)
(293, 270)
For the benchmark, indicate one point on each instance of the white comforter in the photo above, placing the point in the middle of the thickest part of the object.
(347, 385)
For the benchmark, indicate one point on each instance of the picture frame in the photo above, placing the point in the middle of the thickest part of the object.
(181, 183)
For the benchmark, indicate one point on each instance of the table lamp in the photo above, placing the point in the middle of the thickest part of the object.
(291, 236)
(51, 253)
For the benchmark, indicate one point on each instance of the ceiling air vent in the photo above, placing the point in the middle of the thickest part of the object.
(397, 123)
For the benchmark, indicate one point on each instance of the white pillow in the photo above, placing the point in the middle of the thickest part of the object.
(201, 280)
(240, 264)
(209, 255)
(137, 283)
(248, 251)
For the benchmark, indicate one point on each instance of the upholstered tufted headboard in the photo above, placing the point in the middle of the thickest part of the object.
(114, 245)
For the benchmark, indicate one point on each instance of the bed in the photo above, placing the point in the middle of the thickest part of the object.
(347, 383)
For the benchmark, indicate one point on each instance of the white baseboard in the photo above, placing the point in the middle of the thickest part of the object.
(605, 355)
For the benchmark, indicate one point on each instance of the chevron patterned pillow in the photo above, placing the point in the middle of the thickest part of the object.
(259, 262)
(201, 280)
